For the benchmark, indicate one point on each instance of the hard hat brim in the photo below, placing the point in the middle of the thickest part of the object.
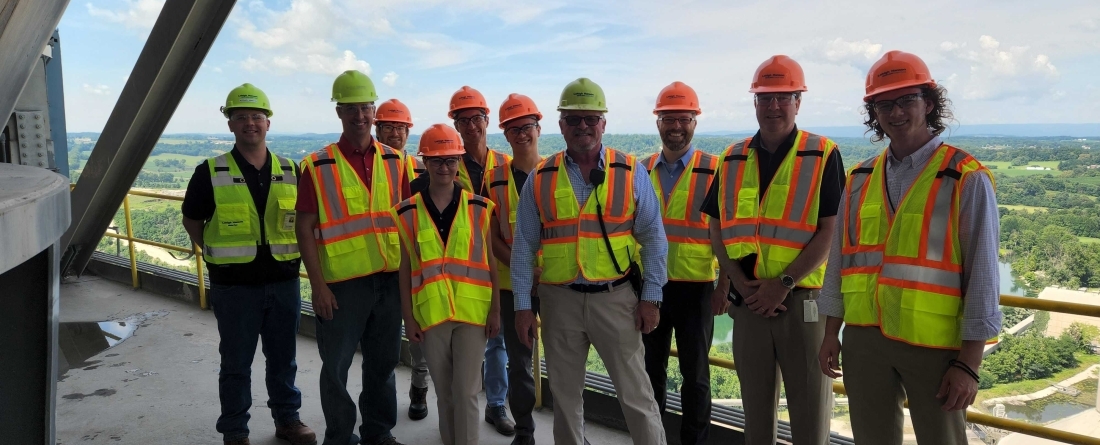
(898, 86)
(777, 89)
(441, 153)
(675, 108)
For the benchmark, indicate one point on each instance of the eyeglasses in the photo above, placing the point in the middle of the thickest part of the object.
(590, 121)
(435, 162)
(363, 108)
(783, 99)
(258, 117)
(476, 120)
(390, 128)
(903, 102)
(670, 121)
(515, 131)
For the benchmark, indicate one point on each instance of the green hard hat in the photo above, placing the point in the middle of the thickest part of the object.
(352, 87)
(247, 96)
(582, 94)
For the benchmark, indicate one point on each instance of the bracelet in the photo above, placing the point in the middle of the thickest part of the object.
(965, 367)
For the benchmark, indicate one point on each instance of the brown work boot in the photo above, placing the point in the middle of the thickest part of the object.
(297, 433)
(241, 441)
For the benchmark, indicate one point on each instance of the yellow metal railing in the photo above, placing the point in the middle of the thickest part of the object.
(971, 416)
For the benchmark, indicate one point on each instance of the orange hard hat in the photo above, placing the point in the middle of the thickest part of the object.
(467, 97)
(440, 140)
(517, 106)
(897, 70)
(393, 111)
(677, 96)
(779, 74)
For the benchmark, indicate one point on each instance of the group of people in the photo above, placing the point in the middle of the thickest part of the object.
(469, 248)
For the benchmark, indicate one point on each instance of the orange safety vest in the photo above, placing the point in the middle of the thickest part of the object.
(903, 272)
(779, 226)
(690, 256)
(355, 235)
(492, 159)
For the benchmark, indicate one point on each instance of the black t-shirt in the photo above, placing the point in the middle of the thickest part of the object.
(832, 186)
(476, 171)
(444, 219)
(199, 205)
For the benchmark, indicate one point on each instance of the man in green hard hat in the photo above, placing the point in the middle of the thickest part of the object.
(588, 209)
(239, 208)
(351, 251)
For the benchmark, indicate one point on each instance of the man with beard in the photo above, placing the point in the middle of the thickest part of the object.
(352, 252)
(681, 176)
(392, 122)
(773, 210)
(588, 209)
(519, 118)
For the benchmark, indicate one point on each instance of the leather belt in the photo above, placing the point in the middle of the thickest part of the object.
(598, 288)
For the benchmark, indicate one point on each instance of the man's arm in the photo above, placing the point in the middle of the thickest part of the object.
(501, 250)
(979, 237)
(527, 241)
(649, 231)
(198, 204)
(194, 229)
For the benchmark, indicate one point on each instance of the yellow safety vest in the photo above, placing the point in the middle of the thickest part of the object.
(903, 273)
(572, 241)
(450, 282)
(414, 166)
(233, 233)
(780, 226)
(690, 256)
(355, 235)
(492, 159)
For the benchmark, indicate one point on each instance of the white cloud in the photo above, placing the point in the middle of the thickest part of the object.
(251, 64)
(857, 53)
(301, 38)
(390, 78)
(100, 90)
(138, 14)
(997, 72)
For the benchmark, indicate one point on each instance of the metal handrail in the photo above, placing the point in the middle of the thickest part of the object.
(838, 388)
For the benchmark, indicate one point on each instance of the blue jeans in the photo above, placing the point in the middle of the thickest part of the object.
(495, 372)
(369, 317)
(245, 314)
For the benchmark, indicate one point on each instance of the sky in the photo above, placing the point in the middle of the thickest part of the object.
(1002, 62)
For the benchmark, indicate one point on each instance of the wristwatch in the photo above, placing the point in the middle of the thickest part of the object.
(788, 281)
(653, 302)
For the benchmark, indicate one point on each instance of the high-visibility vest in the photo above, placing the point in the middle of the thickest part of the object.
(450, 282)
(904, 273)
(233, 233)
(414, 166)
(780, 226)
(502, 191)
(572, 241)
(355, 235)
(492, 159)
(690, 257)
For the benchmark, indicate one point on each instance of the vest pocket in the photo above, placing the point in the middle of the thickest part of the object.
(429, 246)
(234, 219)
(286, 214)
(566, 204)
(859, 298)
(344, 247)
(929, 318)
(774, 207)
(355, 198)
(391, 247)
(870, 216)
(431, 305)
(747, 201)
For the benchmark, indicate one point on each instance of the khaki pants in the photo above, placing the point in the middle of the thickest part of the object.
(879, 373)
(454, 352)
(759, 344)
(571, 322)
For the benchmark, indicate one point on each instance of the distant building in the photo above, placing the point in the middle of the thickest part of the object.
(1036, 167)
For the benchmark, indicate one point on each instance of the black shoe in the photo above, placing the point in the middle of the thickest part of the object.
(391, 441)
(523, 440)
(418, 407)
(497, 416)
(354, 440)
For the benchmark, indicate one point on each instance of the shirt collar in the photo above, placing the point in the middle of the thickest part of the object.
(348, 148)
(599, 162)
(683, 161)
(922, 155)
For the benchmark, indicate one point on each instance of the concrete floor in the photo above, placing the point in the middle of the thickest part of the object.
(160, 385)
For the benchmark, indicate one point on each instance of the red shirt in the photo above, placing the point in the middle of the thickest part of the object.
(361, 160)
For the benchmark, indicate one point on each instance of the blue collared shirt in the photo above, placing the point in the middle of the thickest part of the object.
(669, 173)
(649, 231)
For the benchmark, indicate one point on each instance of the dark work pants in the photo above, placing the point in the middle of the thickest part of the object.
(369, 317)
(685, 309)
(245, 314)
(521, 380)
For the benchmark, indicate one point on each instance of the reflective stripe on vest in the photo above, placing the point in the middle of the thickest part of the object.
(572, 241)
(234, 232)
(355, 234)
(903, 272)
(492, 159)
(690, 256)
(779, 226)
(414, 167)
(502, 191)
(450, 282)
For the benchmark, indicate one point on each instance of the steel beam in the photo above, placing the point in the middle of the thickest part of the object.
(177, 45)
(25, 26)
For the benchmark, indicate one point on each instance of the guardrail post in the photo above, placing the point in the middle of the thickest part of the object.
(536, 365)
(202, 281)
(130, 241)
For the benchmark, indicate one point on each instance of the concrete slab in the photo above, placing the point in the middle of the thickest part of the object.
(159, 386)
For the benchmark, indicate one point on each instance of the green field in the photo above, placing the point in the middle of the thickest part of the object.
(1087, 240)
(1006, 168)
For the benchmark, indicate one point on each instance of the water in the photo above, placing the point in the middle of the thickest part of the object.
(79, 341)
(1050, 411)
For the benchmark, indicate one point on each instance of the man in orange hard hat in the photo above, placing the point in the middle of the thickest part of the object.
(773, 212)
(913, 268)
(352, 252)
(519, 118)
(681, 176)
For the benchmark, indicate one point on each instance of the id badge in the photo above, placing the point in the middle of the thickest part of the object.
(288, 221)
(809, 311)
